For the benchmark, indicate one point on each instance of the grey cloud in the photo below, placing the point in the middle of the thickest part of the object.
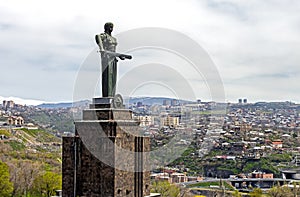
(252, 43)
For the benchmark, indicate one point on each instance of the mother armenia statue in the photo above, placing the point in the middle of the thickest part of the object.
(107, 45)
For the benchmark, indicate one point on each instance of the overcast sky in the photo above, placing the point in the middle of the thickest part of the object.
(255, 45)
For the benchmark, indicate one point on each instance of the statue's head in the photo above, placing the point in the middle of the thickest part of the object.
(108, 27)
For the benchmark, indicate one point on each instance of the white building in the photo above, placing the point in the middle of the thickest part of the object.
(15, 120)
(145, 120)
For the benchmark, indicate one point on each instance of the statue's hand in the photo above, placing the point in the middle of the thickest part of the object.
(122, 58)
(101, 52)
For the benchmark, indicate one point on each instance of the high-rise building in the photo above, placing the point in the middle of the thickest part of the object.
(166, 102)
(174, 102)
(170, 121)
(8, 104)
(139, 104)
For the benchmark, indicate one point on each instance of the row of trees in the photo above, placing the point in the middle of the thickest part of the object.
(165, 189)
(27, 180)
(277, 191)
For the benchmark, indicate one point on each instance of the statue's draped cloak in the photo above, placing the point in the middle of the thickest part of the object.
(109, 66)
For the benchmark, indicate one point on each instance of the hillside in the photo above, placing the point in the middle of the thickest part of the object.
(30, 154)
(64, 104)
(27, 144)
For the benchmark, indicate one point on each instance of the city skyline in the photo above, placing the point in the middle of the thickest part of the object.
(252, 44)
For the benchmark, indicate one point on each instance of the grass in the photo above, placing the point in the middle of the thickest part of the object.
(41, 135)
(32, 132)
(5, 132)
(17, 146)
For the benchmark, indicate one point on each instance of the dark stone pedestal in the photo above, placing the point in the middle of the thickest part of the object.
(89, 160)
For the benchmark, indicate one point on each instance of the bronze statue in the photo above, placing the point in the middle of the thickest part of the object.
(107, 45)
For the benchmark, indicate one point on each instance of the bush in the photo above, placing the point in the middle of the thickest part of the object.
(5, 184)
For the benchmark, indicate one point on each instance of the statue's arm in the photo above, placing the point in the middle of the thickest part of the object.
(99, 42)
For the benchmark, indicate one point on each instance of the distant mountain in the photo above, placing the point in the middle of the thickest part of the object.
(64, 105)
(21, 101)
(153, 100)
(55, 105)
(131, 100)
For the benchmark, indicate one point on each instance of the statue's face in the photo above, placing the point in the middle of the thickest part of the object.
(109, 28)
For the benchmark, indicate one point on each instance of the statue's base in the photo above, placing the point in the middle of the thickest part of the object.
(102, 102)
(107, 102)
(104, 158)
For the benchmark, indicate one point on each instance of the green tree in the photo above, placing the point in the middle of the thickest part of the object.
(6, 187)
(256, 193)
(236, 193)
(46, 184)
(295, 189)
(165, 189)
(280, 191)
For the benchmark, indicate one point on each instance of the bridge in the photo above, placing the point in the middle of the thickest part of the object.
(243, 183)
(246, 183)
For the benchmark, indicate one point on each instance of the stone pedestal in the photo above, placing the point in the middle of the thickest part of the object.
(100, 160)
